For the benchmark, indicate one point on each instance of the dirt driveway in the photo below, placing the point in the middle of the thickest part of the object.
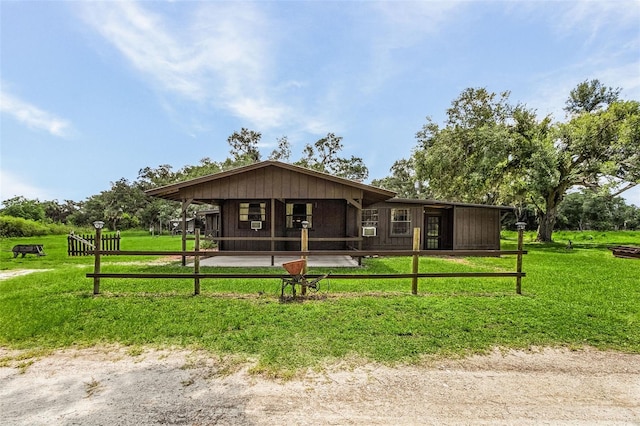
(108, 386)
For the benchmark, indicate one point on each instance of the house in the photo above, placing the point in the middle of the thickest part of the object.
(444, 226)
(264, 205)
(176, 228)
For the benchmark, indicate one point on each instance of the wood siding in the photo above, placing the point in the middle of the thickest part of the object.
(271, 182)
(384, 239)
(328, 221)
(476, 228)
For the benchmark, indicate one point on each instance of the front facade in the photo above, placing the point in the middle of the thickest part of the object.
(263, 206)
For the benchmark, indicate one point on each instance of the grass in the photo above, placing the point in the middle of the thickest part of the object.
(571, 298)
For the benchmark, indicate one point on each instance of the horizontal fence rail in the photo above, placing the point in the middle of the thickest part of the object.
(169, 275)
(352, 253)
(197, 254)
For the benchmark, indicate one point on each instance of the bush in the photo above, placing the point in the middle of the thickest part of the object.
(18, 227)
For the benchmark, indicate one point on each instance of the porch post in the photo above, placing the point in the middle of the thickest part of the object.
(185, 206)
(273, 228)
(196, 264)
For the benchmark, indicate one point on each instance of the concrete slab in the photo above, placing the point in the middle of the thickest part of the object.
(250, 261)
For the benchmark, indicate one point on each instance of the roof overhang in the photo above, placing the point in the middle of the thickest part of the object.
(437, 204)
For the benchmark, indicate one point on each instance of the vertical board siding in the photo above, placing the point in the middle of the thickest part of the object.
(476, 228)
(271, 182)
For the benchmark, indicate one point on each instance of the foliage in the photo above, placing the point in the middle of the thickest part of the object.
(323, 157)
(590, 96)
(587, 210)
(11, 226)
(23, 208)
(283, 152)
(403, 181)
(491, 151)
(567, 300)
(468, 158)
(244, 146)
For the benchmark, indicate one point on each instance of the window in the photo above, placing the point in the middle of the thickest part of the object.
(253, 211)
(297, 213)
(370, 217)
(400, 222)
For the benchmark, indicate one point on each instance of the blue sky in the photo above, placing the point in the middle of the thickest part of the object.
(94, 91)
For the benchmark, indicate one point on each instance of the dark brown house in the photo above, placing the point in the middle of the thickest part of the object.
(264, 205)
(443, 225)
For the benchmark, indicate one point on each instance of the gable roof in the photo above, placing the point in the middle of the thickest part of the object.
(176, 191)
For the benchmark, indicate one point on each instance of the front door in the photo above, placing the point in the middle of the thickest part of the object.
(433, 240)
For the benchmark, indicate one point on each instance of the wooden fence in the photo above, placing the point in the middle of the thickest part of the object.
(84, 245)
(415, 274)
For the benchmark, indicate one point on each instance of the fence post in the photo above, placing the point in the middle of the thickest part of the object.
(520, 226)
(97, 246)
(416, 260)
(304, 246)
(196, 264)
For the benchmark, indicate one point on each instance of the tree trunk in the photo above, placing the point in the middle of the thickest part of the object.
(547, 218)
(547, 221)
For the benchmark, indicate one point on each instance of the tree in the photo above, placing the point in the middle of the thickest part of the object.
(204, 168)
(323, 157)
(152, 178)
(59, 213)
(24, 208)
(589, 96)
(596, 150)
(586, 210)
(493, 152)
(283, 152)
(244, 146)
(403, 181)
(471, 158)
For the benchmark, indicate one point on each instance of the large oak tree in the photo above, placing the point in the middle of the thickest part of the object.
(491, 151)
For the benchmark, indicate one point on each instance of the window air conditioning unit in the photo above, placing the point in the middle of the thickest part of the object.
(369, 231)
(256, 224)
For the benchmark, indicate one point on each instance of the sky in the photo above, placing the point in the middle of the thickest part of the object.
(92, 92)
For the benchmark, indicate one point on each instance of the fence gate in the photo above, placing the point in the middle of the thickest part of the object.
(84, 245)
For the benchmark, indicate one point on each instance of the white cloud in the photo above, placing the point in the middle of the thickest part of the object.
(219, 55)
(405, 23)
(595, 17)
(13, 186)
(32, 116)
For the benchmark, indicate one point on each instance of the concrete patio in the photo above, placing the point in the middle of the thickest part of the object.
(253, 261)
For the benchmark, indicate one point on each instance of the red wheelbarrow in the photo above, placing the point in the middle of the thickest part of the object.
(296, 269)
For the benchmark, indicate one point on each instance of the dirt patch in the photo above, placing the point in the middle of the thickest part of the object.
(5, 275)
(107, 386)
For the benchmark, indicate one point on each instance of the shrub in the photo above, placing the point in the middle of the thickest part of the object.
(18, 227)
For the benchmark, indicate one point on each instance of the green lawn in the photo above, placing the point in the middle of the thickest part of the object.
(573, 298)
